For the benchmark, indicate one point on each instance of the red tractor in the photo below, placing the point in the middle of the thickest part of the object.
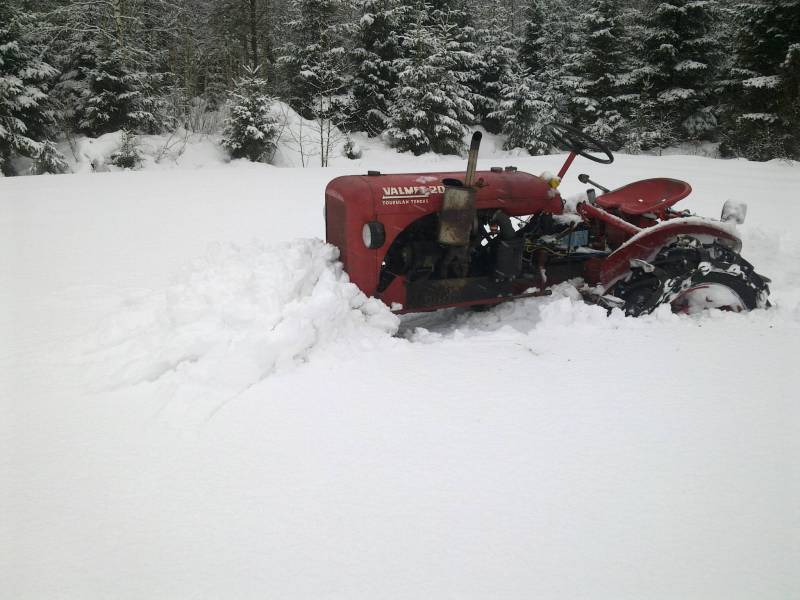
(424, 241)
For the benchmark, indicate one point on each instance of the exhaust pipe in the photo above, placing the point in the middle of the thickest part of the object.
(472, 159)
(458, 206)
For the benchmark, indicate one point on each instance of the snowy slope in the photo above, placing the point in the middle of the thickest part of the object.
(196, 404)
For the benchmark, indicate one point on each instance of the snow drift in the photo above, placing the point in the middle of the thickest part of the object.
(237, 316)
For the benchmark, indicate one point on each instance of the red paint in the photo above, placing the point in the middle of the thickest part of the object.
(588, 212)
(567, 164)
(647, 196)
(649, 242)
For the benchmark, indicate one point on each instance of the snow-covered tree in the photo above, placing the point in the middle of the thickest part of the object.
(49, 160)
(551, 41)
(317, 44)
(120, 94)
(789, 99)
(650, 127)
(599, 103)
(763, 114)
(112, 55)
(455, 22)
(534, 49)
(24, 113)
(683, 56)
(128, 155)
(430, 106)
(526, 107)
(251, 130)
(495, 62)
(376, 55)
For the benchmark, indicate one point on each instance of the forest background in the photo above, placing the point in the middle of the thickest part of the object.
(642, 76)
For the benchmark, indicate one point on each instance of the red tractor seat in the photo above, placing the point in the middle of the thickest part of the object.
(646, 196)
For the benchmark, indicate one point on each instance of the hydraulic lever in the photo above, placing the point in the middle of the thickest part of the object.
(584, 178)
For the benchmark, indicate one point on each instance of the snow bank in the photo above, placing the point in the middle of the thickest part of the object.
(237, 316)
(298, 145)
(177, 150)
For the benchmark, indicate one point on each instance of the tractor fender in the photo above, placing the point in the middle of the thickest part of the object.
(646, 244)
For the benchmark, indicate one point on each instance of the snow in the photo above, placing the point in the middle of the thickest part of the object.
(194, 403)
(728, 228)
(690, 65)
(676, 94)
(770, 81)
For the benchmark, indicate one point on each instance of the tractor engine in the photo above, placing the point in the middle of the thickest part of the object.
(421, 241)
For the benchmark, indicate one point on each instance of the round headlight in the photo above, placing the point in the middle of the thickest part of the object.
(373, 235)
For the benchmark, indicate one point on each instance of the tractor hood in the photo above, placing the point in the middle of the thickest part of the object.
(517, 192)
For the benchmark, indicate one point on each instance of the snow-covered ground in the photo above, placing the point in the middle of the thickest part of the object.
(196, 404)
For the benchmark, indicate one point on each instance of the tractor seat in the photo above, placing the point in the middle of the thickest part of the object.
(646, 196)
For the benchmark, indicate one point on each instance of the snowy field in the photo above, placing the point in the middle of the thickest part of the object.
(196, 404)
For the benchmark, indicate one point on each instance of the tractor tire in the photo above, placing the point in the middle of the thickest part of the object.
(692, 278)
(718, 290)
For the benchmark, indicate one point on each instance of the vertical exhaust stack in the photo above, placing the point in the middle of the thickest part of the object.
(458, 207)
(472, 159)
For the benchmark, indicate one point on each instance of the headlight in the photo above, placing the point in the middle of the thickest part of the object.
(373, 235)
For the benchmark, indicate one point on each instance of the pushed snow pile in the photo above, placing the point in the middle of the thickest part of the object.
(562, 311)
(242, 314)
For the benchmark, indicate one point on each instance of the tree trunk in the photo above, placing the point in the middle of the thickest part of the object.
(253, 34)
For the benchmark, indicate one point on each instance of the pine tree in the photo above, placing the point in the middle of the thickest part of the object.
(24, 114)
(762, 120)
(496, 57)
(599, 104)
(121, 95)
(49, 160)
(113, 59)
(454, 18)
(128, 155)
(317, 43)
(683, 56)
(524, 111)
(533, 51)
(789, 99)
(430, 105)
(379, 48)
(251, 130)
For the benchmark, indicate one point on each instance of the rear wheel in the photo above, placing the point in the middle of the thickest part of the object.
(716, 290)
(692, 278)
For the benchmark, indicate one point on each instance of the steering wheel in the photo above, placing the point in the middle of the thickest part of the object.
(579, 142)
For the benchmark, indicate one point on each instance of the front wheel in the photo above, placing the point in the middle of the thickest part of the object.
(692, 278)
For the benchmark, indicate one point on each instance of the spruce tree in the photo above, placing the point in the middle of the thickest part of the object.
(119, 94)
(496, 57)
(524, 110)
(454, 18)
(430, 105)
(24, 113)
(789, 99)
(314, 53)
(379, 47)
(251, 129)
(599, 105)
(683, 56)
(49, 160)
(533, 51)
(762, 120)
(112, 56)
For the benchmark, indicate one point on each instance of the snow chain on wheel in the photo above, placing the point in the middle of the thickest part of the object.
(687, 267)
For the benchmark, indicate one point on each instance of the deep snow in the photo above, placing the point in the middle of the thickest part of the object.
(196, 404)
